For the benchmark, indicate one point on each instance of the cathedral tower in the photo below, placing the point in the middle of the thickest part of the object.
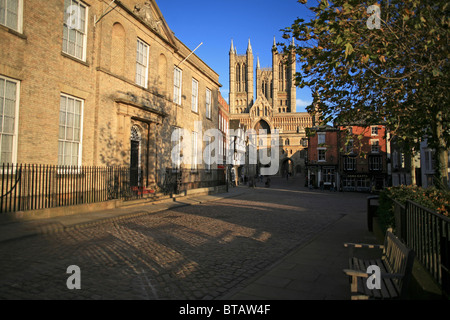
(284, 89)
(241, 80)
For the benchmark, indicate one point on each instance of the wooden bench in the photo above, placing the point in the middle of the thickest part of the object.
(395, 262)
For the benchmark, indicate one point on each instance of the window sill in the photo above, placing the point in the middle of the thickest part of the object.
(14, 32)
(66, 55)
(141, 87)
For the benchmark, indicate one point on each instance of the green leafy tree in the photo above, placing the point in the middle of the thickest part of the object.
(379, 62)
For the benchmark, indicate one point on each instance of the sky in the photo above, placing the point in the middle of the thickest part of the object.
(217, 22)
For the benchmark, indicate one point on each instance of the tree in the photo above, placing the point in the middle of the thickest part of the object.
(385, 62)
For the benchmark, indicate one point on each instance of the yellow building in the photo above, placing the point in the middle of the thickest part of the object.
(99, 83)
(273, 107)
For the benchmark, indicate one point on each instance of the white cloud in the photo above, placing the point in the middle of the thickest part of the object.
(302, 104)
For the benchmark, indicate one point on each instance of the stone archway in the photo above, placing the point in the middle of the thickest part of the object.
(287, 167)
(262, 125)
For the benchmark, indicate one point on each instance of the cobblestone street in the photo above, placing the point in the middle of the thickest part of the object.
(194, 252)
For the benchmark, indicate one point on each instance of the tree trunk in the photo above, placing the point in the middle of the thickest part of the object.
(412, 168)
(441, 154)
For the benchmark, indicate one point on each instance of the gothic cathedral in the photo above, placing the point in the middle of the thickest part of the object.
(272, 106)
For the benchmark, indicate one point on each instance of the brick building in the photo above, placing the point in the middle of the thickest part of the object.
(323, 157)
(98, 83)
(352, 157)
(363, 157)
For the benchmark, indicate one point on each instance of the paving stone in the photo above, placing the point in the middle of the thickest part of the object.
(201, 251)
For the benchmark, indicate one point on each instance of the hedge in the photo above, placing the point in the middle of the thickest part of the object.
(431, 198)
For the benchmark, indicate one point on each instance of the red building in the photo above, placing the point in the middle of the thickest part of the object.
(362, 160)
(323, 157)
(347, 158)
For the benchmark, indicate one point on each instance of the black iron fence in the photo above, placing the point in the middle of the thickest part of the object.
(34, 186)
(179, 180)
(27, 187)
(428, 234)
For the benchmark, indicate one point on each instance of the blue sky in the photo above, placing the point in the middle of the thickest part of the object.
(217, 22)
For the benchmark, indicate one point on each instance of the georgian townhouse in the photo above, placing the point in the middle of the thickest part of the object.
(101, 83)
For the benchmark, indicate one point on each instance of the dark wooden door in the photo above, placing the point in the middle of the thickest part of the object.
(134, 164)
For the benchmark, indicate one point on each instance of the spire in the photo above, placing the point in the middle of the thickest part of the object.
(249, 47)
(258, 66)
(232, 47)
(274, 42)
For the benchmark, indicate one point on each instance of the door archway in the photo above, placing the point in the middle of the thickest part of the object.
(135, 156)
(287, 167)
(262, 125)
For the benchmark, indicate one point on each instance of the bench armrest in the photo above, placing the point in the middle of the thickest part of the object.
(363, 274)
(363, 246)
(356, 273)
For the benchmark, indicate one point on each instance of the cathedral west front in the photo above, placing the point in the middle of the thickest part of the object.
(271, 104)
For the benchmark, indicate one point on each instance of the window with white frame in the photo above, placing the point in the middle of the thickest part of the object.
(321, 154)
(349, 164)
(208, 103)
(75, 27)
(177, 81)
(374, 130)
(375, 163)
(176, 153)
(70, 130)
(321, 138)
(375, 146)
(9, 106)
(194, 102)
(429, 160)
(208, 149)
(328, 175)
(194, 144)
(142, 63)
(11, 14)
(221, 147)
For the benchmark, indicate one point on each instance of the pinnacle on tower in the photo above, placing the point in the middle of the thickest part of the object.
(274, 46)
(232, 47)
(249, 47)
(258, 66)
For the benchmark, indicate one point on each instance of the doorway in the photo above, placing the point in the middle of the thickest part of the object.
(135, 157)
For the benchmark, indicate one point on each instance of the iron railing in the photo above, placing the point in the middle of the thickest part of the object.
(35, 186)
(179, 180)
(27, 187)
(428, 234)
